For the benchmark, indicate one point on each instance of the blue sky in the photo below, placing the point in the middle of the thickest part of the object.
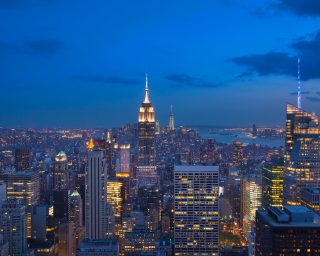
(223, 62)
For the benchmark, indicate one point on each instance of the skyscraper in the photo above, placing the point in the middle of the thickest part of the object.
(75, 215)
(146, 131)
(295, 230)
(124, 161)
(95, 201)
(237, 156)
(60, 174)
(196, 210)
(171, 120)
(302, 156)
(23, 159)
(272, 183)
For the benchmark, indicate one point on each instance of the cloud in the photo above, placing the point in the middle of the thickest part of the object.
(302, 93)
(282, 63)
(44, 47)
(180, 80)
(316, 99)
(300, 7)
(110, 80)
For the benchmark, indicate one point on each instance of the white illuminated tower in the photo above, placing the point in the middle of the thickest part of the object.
(95, 194)
(171, 120)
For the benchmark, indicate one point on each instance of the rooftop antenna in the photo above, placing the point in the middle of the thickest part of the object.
(299, 84)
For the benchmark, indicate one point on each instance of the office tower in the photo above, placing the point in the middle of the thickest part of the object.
(60, 174)
(302, 156)
(98, 248)
(65, 239)
(60, 203)
(95, 198)
(171, 120)
(146, 131)
(75, 216)
(111, 222)
(310, 197)
(295, 230)
(158, 128)
(233, 192)
(237, 156)
(39, 215)
(272, 183)
(115, 199)
(254, 131)
(3, 192)
(196, 210)
(23, 159)
(23, 185)
(13, 226)
(147, 176)
(4, 247)
(250, 201)
(124, 161)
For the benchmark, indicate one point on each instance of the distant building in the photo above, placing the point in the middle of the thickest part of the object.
(237, 156)
(254, 131)
(23, 159)
(302, 156)
(295, 230)
(196, 210)
(171, 120)
(75, 216)
(124, 161)
(310, 197)
(272, 183)
(98, 248)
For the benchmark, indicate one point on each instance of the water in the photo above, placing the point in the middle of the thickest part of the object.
(229, 136)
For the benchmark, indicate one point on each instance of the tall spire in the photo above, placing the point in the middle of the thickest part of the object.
(299, 84)
(146, 92)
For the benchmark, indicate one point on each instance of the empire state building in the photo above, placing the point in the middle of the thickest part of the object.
(146, 131)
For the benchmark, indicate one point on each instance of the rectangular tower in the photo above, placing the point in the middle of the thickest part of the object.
(196, 210)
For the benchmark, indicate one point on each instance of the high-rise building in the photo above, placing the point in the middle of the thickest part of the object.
(23, 185)
(60, 174)
(23, 159)
(196, 210)
(95, 195)
(124, 161)
(13, 226)
(295, 230)
(146, 131)
(39, 215)
(250, 201)
(310, 197)
(60, 203)
(75, 216)
(272, 183)
(302, 156)
(65, 239)
(237, 156)
(171, 120)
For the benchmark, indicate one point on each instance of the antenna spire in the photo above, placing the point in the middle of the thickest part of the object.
(146, 92)
(299, 84)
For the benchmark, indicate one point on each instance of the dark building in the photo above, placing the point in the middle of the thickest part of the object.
(23, 159)
(60, 203)
(295, 230)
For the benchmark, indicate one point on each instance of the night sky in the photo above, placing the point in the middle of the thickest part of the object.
(82, 63)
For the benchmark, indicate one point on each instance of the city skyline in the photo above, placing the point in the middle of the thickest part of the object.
(84, 66)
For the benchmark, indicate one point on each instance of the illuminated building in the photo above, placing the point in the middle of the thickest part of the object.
(95, 194)
(295, 230)
(25, 187)
(60, 174)
(43, 248)
(124, 161)
(114, 198)
(65, 239)
(196, 210)
(272, 184)
(146, 131)
(237, 156)
(13, 226)
(75, 215)
(250, 202)
(147, 176)
(23, 159)
(310, 197)
(302, 156)
(171, 120)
